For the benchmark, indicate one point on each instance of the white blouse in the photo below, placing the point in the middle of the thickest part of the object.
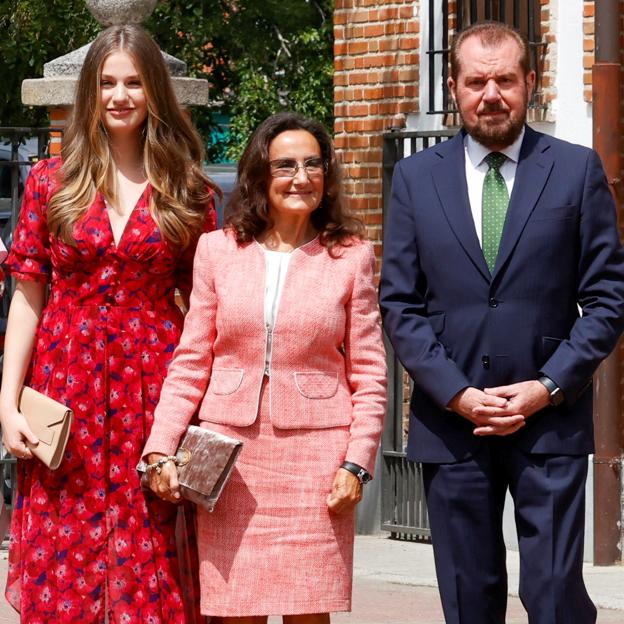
(276, 269)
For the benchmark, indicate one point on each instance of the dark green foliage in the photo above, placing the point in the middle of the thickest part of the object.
(259, 57)
(34, 32)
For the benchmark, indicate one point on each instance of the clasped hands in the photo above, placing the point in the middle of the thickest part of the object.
(502, 410)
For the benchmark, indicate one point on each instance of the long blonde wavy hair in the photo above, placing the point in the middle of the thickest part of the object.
(172, 149)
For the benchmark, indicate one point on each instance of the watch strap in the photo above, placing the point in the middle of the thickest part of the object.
(555, 394)
(363, 476)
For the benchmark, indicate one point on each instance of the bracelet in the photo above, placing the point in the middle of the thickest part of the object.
(157, 466)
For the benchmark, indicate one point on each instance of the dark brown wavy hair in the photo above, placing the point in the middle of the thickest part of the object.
(247, 211)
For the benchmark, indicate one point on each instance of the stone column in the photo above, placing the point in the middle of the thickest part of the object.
(56, 89)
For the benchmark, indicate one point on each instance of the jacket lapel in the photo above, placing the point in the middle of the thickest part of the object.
(534, 166)
(449, 178)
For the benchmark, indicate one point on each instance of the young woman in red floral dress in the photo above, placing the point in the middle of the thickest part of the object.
(112, 228)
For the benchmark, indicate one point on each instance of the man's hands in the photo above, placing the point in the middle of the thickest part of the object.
(502, 410)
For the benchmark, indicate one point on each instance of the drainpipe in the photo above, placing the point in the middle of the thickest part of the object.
(607, 409)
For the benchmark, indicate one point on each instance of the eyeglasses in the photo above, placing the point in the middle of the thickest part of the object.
(288, 168)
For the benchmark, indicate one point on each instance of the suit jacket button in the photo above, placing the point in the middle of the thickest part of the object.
(493, 303)
(485, 360)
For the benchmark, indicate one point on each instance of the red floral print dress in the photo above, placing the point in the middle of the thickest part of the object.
(87, 545)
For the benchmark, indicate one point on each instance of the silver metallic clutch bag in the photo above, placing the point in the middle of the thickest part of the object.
(205, 460)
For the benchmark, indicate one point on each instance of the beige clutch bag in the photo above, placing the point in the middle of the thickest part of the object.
(205, 460)
(50, 421)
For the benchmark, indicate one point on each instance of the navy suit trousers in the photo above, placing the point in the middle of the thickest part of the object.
(465, 502)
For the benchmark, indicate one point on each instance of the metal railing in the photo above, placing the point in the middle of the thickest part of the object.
(19, 148)
(403, 505)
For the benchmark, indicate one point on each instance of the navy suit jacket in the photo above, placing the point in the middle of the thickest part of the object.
(454, 325)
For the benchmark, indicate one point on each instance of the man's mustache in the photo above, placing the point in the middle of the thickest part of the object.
(494, 109)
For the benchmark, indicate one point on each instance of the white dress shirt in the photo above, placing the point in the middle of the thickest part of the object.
(476, 168)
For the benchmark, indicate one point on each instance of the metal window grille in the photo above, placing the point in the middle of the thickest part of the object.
(525, 15)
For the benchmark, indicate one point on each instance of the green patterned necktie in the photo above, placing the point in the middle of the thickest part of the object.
(495, 201)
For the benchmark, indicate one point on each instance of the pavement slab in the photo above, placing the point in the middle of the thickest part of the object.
(394, 583)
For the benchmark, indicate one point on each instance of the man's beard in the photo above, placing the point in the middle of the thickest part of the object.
(495, 135)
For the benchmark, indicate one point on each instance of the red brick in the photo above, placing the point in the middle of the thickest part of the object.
(374, 30)
(389, 44)
(357, 110)
(409, 43)
(388, 13)
(362, 15)
(340, 48)
(408, 75)
(358, 47)
(373, 187)
(412, 26)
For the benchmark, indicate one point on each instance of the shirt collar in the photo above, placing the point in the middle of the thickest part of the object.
(477, 152)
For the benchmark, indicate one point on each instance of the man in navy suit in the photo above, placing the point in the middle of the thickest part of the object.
(487, 261)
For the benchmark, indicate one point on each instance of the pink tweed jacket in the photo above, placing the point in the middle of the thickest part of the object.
(328, 362)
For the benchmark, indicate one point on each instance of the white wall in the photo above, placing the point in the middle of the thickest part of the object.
(572, 115)
(423, 121)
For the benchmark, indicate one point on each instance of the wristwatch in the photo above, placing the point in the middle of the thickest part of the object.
(362, 475)
(555, 394)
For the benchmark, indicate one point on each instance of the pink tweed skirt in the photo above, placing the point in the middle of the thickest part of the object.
(271, 547)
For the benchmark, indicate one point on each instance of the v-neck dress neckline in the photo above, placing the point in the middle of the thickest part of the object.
(117, 243)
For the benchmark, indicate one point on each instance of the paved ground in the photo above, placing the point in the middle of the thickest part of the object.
(394, 583)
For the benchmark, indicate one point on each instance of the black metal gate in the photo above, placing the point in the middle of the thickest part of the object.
(403, 506)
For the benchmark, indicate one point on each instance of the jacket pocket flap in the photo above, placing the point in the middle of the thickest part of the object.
(316, 385)
(549, 346)
(225, 380)
(556, 212)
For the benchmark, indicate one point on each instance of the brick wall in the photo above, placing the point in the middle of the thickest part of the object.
(58, 119)
(548, 63)
(589, 47)
(376, 85)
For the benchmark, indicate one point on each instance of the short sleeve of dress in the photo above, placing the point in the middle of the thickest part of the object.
(29, 258)
(184, 271)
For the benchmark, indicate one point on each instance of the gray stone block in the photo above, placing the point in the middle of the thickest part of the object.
(70, 64)
(109, 12)
(59, 91)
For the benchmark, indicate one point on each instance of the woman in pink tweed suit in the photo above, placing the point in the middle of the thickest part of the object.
(281, 349)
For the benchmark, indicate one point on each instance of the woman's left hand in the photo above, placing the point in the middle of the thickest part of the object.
(346, 493)
(164, 483)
